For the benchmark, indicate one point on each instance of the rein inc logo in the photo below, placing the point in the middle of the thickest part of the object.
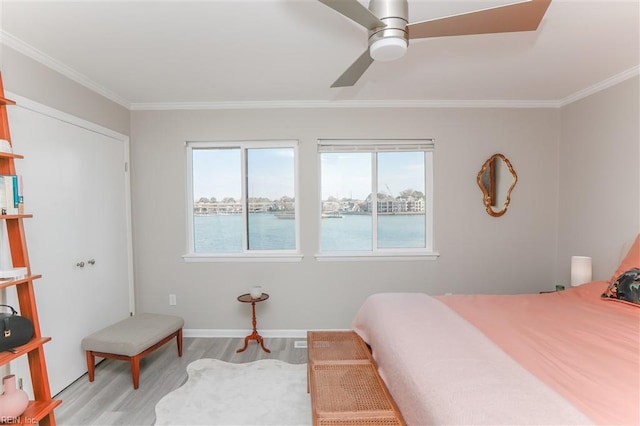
(18, 420)
(14, 402)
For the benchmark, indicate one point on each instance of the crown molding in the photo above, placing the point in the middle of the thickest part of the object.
(39, 56)
(604, 84)
(29, 51)
(343, 104)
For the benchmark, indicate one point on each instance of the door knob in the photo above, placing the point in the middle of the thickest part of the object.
(80, 264)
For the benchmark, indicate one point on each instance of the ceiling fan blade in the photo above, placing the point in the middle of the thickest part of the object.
(356, 12)
(523, 16)
(355, 71)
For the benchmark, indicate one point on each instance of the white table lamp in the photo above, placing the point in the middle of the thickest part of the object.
(580, 270)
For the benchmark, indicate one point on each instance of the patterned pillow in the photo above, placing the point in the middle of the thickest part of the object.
(625, 288)
(631, 260)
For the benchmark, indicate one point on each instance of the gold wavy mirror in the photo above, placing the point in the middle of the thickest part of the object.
(496, 179)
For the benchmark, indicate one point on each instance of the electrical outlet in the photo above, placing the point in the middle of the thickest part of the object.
(172, 300)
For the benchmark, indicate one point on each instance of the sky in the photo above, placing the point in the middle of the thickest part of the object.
(348, 175)
(217, 173)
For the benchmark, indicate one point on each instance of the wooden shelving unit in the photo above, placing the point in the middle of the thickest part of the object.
(40, 410)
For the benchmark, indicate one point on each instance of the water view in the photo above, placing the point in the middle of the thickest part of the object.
(258, 181)
(222, 233)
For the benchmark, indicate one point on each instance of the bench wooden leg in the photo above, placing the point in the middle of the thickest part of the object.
(179, 339)
(135, 370)
(91, 365)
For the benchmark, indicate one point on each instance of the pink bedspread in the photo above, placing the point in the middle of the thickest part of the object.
(585, 348)
(557, 358)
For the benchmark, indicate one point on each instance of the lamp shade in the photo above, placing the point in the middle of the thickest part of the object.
(580, 270)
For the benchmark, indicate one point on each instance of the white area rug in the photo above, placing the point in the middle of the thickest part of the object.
(264, 392)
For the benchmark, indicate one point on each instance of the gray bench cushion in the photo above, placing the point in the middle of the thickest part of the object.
(133, 335)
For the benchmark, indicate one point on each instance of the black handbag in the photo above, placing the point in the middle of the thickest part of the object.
(15, 330)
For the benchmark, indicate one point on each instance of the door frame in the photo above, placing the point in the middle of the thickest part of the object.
(22, 102)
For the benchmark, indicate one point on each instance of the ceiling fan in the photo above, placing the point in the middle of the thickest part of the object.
(390, 30)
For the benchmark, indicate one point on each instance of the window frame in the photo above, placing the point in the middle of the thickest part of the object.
(254, 255)
(376, 253)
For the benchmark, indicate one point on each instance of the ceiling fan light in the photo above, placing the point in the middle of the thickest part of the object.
(388, 49)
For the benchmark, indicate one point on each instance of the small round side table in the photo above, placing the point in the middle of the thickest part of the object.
(246, 298)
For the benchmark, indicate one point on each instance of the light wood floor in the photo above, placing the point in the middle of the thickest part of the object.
(111, 400)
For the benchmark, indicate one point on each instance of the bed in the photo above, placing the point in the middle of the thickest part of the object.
(567, 357)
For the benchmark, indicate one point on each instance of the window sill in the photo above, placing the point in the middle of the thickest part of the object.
(376, 257)
(276, 258)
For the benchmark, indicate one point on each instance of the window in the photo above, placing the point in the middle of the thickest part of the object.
(243, 198)
(394, 219)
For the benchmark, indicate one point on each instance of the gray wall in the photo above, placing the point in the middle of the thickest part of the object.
(577, 194)
(26, 77)
(479, 253)
(599, 157)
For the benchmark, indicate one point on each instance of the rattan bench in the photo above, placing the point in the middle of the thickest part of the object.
(344, 383)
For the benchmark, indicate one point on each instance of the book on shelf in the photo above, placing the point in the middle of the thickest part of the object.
(11, 199)
(5, 146)
(13, 273)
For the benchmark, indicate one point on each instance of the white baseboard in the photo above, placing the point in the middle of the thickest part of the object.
(208, 332)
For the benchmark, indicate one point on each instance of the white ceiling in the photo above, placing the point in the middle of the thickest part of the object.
(144, 53)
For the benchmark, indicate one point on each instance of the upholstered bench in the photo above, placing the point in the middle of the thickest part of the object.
(131, 340)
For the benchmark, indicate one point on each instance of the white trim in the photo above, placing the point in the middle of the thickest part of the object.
(39, 56)
(292, 255)
(46, 60)
(604, 84)
(129, 225)
(429, 202)
(375, 145)
(406, 103)
(242, 333)
(188, 197)
(244, 143)
(376, 257)
(39, 108)
(249, 257)
(375, 189)
(371, 146)
(172, 106)
(63, 116)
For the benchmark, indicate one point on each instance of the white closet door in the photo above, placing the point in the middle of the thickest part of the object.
(76, 186)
